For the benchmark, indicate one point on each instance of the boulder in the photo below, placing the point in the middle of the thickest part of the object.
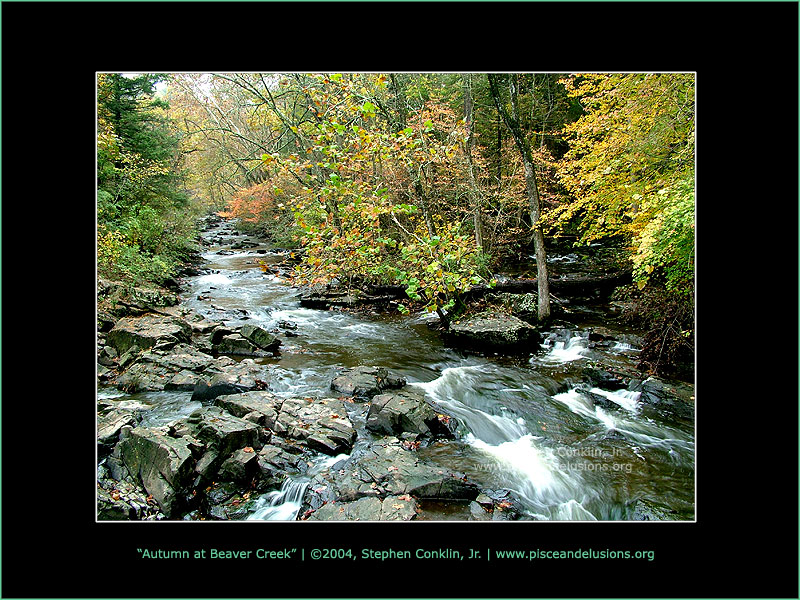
(321, 423)
(241, 467)
(365, 382)
(223, 433)
(164, 465)
(391, 508)
(236, 344)
(153, 297)
(647, 510)
(202, 391)
(525, 306)
(407, 411)
(673, 400)
(146, 331)
(259, 407)
(109, 426)
(246, 374)
(178, 368)
(259, 337)
(494, 331)
(112, 508)
(184, 381)
(606, 380)
(387, 468)
(275, 463)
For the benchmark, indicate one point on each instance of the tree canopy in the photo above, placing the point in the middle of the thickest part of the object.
(425, 180)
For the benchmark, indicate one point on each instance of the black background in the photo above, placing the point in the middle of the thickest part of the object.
(744, 543)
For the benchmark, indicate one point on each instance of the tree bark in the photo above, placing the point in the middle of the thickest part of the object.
(512, 122)
(474, 192)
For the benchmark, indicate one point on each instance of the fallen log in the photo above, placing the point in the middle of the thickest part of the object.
(576, 286)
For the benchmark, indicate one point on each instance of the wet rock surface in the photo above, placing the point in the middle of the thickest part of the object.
(491, 331)
(365, 382)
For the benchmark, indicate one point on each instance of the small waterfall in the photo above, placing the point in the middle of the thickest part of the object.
(281, 505)
(620, 347)
(214, 279)
(624, 398)
(284, 504)
(561, 352)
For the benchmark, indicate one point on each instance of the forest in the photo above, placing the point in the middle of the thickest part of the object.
(433, 182)
(395, 296)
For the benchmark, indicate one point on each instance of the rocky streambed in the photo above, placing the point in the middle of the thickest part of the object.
(235, 398)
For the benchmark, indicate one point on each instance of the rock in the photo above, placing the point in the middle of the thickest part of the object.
(246, 374)
(208, 464)
(107, 356)
(164, 465)
(275, 463)
(241, 466)
(406, 410)
(387, 468)
(264, 405)
(146, 331)
(223, 433)
(109, 426)
(104, 373)
(365, 382)
(672, 400)
(112, 508)
(606, 380)
(235, 508)
(391, 508)
(105, 320)
(647, 510)
(495, 331)
(204, 392)
(153, 297)
(259, 337)
(157, 369)
(235, 344)
(525, 306)
(143, 377)
(506, 506)
(185, 381)
(478, 512)
(219, 333)
(321, 423)
(597, 399)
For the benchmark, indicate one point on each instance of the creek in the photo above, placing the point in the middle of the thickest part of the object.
(526, 424)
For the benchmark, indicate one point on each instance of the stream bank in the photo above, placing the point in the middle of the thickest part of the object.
(234, 399)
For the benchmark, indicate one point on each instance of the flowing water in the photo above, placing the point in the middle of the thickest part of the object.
(565, 456)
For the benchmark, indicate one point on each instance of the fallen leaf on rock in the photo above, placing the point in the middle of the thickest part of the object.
(397, 506)
(247, 449)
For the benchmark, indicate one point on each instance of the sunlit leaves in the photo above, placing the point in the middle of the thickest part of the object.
(630, 168)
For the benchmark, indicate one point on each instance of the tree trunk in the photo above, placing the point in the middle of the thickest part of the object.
(474, 192)
(512, 121)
